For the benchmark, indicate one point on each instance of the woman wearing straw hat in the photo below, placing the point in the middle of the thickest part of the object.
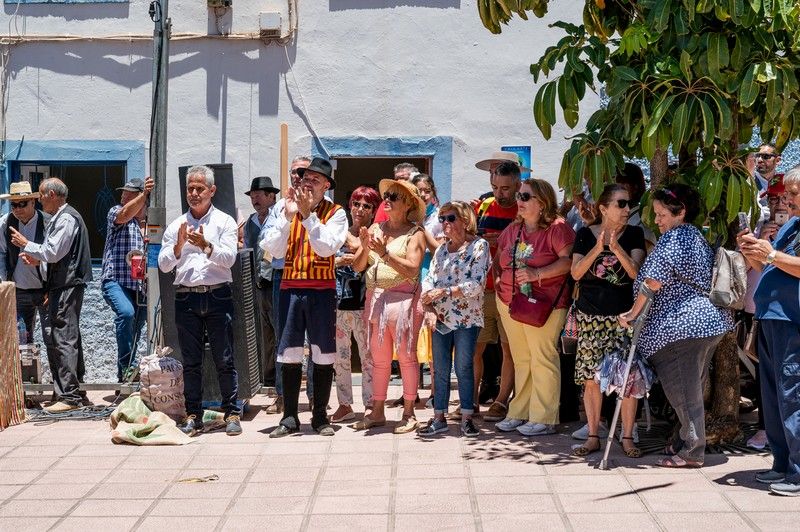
(393, 250)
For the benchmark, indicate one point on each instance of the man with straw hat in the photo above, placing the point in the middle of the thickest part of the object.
(31, 289)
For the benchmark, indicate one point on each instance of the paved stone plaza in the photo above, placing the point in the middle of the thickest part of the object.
(69, 476)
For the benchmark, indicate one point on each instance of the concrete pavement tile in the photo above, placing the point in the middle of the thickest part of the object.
(226, 476)
(25, 451)
(703, 522)
(271, 506)
(603, 522)
(178, 524)
(365, 486)
(27, 524)
(611, 484)
(18, 477)
(432, 486)
(439, 521)
(649, 468)
(201, 490)
(498, 468)
(112, 508)
(660, 483)
(738, 480)
(358, 472)
(519, 521)
(167, 450)
(776, 521)
(139, 490)
(286, 460)
(360, 459)
(212, 462)
(89, 462)
(225, 450)
(351, 504)
(499, 485)
(76, 476)
(761, 501)
(7, 490)
(103, 450)
(27, 464)
(47, 492)
(568, 465)
(297, 447)
(431, 471)
(5, 450)
(81, 524)
(282, 489)
(515, 503)
(141, 475)
(410, 503)
(147, 463)
(600, 503)
(54, 508)
(260, 523)
(430, 457)
(442, 443)
(351, 523)
(361, 446)
(270, 474)
(192, 507)
(673, 501)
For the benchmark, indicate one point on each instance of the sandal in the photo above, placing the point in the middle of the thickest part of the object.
(367, 423)
(583, 449)
(633, 452)
(409, 424)
(669, 450)
(678, 462)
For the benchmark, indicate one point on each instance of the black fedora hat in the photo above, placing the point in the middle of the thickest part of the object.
(320, 166)
(262, 183)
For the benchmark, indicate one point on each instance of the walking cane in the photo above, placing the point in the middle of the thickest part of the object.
(638, 323)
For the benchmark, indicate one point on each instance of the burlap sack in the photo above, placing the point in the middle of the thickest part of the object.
(12, 399)
(161, 389)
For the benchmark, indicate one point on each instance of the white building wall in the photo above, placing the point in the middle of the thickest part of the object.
(369, 68)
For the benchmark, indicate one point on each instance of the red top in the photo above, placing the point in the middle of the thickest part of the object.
(494, 218)
(381, 215)
(537, 249)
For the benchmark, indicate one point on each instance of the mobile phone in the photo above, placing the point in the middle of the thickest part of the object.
(781, 218)
(744, 221)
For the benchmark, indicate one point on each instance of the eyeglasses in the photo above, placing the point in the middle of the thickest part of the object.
(447, 218)
(622, 203)
(19, 204)
(359, 205)
(392, 196)
(766, 156)
(525, 196)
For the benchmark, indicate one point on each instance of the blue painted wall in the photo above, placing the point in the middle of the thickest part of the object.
(439, 149)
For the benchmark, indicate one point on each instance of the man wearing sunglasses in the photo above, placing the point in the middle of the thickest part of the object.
(31, 290)
(767, 161)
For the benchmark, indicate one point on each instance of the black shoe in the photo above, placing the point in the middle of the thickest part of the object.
(287, 426)
(191, 426)
(234, 426)
(469, 429)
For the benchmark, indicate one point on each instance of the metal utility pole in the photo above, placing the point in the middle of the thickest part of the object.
(157, 213)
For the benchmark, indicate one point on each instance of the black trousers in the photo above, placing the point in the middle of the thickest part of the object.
(65, 352)
(29, 303)
(268, 339)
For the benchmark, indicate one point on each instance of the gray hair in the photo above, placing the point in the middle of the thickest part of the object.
(204, 171)
(56, 186)
(406, 166)
(792, 177)
(304, 158)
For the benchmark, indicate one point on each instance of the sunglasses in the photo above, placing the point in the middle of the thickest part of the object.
(525, 196)
(766, 156)
(447, 218)
(392, 196)
(359, 205)
(622, 203)
(19, 204)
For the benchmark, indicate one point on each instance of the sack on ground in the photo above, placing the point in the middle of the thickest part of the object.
(161, 379)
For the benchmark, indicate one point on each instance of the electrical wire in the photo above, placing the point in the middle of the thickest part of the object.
(312, 129)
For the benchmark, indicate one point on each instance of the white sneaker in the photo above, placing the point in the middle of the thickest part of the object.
(509, 424)
(536, 429)
(583, 432)
(758, 441)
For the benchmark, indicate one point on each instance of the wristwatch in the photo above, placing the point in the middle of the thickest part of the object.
(771, 256)
(208, 249)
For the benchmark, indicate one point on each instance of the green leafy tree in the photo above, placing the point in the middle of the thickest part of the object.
(693, 76)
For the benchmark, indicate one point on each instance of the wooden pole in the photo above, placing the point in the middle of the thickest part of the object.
(284, 158)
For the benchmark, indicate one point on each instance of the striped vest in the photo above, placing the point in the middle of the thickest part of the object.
(302, 264)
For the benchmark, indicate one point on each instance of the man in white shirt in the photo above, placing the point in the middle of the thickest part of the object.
(308, 236)
(201, 246)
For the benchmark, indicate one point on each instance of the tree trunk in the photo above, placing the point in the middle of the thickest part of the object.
(659, 167)
(722, 421)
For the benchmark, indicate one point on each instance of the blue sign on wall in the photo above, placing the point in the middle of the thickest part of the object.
(523, 153)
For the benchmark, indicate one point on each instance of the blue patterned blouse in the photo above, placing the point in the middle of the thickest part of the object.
(682, 262)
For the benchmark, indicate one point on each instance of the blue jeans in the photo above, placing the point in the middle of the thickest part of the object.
(779, 366)
(128, 322)
(463, 340)
(278, 323)
(198, 315)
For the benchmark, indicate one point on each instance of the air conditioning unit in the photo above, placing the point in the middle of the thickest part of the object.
(269, 25)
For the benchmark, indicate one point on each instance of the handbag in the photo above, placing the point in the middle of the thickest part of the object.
(535, 308)
(569, 336)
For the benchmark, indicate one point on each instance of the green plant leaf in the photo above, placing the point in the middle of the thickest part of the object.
(686, 65)
(680, 124)
(661, 109)
(749, 89)
(549, 102)
(713, 190)
(708, 123)
(733, 198)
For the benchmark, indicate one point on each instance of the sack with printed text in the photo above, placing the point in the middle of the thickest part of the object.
(161, 379)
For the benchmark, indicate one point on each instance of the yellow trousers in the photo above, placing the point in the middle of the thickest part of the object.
(537, 368)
